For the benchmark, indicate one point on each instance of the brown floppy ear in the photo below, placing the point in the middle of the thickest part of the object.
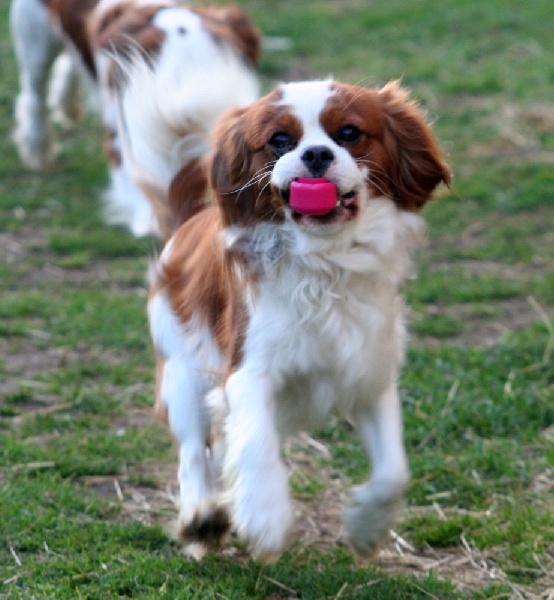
(229, 168)
(239, 174)
(125, 28)
(233, 23)
(187, 194)
(415, 163)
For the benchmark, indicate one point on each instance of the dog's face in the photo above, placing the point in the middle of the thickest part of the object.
(368, 143)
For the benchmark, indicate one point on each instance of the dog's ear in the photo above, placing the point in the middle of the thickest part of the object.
(123, 29)
(415, 163)
(230, 168)
(187, 194)
(231, 156)
(239, 174)
(233, 23)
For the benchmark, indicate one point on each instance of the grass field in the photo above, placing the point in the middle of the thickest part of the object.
(87, 478)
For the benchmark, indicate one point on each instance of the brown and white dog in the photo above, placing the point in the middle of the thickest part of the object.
(99, 39)
(266, 315)
(166, 113)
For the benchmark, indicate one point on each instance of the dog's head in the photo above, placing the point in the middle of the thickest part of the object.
(126, 26)
(366, 143)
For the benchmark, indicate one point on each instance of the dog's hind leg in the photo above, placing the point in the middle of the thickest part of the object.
(374, 505)
(64, 99)
(36, 47)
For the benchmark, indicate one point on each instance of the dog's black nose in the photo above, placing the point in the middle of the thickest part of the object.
(317, 159)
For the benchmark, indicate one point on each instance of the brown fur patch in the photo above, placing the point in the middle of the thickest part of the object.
(73, 15)
(199, 283)
(187, 193)
(232, 24)
(209, 529)
(124, 28)
(187, 196)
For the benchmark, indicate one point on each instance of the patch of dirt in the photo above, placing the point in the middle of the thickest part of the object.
(24, 361)
(481, 330)
(521, 128)
(486, 322)
(21, 248)
(27, 364)
(11, 248)
(145, 503)
(50, 273)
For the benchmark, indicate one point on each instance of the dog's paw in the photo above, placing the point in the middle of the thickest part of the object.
(365, 548)
(267, 532)
(36, 154)
(263, 517)
(208, 524)
(369, 518)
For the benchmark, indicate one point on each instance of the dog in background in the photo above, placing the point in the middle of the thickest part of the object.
(279, 300)
(60, 42)
(168, 107)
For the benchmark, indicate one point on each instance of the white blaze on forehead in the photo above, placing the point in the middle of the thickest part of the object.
(172, 18)
(306, 100)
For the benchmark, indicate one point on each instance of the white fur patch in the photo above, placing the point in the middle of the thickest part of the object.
(168, 110)
(306, 100)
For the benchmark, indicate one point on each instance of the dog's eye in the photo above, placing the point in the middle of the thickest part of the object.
(349, 134)
(281, 142)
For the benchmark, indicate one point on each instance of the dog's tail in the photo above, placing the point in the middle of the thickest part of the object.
(167, 106)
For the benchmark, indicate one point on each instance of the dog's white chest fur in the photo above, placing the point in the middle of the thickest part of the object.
(320, 352)
(328, 326)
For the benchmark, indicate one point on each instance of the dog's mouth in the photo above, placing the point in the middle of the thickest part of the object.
(319, 201)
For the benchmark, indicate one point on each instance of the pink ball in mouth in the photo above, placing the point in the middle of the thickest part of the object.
(313, 195)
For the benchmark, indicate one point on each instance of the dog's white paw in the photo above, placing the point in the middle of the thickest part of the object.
(35, 151)
(263, 514)
(369, 518)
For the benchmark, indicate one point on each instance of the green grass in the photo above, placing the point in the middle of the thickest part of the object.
(76, 367)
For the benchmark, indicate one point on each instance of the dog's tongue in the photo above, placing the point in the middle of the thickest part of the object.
(313, 196)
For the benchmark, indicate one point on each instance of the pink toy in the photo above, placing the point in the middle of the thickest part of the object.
(313, 196)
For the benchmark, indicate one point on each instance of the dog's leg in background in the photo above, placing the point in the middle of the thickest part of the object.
(36, 47)
(254, 473)
(126, 204)
(374, 505)
(64, 99)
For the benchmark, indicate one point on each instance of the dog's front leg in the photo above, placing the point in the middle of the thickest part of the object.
(202, 518)
(254, 473)
(375, 504)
